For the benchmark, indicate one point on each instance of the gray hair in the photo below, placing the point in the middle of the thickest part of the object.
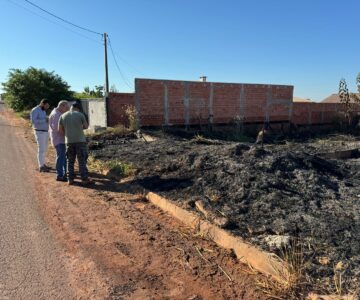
(62, 102)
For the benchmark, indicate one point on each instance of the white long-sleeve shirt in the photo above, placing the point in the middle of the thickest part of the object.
(38, 119)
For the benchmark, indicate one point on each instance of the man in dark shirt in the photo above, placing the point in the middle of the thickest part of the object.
(72, 124)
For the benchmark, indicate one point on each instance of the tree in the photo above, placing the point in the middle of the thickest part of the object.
(99, 91)
(345, 99)
(356, 97)
(349, 100)
(87, 93)
(87, 90)
(113, 89)
(24, 89)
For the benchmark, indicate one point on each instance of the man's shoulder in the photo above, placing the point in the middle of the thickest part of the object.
(53, 112)
(35, 108)
(79, 114)
(66, 114)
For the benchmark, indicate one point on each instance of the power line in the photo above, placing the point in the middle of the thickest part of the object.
(125, 79)
(117, 65)
(53, 22)
(68, 22)
(130, 65)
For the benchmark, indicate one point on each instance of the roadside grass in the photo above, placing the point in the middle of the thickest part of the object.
(339, 283)
(114, 169)
(119, 130)
(24, 114)
(294, 283)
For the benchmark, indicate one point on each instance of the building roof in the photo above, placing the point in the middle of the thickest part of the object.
(334, 98)
(298, 99)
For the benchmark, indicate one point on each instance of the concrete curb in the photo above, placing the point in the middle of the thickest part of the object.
(331, 297)
(261, 261)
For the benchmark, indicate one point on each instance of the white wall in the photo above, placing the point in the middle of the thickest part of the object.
(97, 113)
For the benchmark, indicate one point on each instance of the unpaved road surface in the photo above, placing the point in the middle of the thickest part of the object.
(113, 243)
(31, 266)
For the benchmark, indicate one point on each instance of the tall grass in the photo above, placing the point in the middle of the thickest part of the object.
(112, 168)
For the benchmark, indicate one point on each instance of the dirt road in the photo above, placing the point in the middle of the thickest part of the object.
(114, 244)
(31, 266)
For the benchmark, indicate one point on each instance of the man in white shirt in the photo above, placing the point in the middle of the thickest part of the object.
(41, 127)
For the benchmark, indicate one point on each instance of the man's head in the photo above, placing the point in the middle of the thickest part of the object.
(44, 104)
(75, 107)
(63, 106)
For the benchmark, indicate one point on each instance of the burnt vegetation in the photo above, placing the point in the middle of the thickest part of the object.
(270, 194)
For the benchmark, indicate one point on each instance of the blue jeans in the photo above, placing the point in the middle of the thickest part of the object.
(60, 160)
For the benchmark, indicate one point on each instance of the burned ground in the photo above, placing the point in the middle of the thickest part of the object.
(269, 194)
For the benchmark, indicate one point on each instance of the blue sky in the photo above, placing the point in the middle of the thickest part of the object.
(308, 44)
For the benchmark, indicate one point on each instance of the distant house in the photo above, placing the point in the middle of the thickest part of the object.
(334, 98)
(298, 99)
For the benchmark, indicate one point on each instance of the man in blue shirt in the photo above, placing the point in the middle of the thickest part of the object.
(41, 127)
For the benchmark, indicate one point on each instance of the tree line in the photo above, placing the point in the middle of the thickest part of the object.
(23, 89)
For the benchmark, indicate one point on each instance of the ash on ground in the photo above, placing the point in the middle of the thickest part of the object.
(271, 194)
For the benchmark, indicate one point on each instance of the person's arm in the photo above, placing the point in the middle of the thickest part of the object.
(85, 124)
(32, 116)
(52, 122)
(37, 119)
(61, 128)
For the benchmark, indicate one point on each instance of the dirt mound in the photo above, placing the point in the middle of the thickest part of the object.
(267, 193)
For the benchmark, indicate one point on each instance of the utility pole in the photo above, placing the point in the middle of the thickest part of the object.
(106, 94)
(106, 69)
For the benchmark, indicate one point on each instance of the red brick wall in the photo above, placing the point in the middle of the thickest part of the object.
(318, 113)
(169, 102)
(117, 103)
(149, 101)
(226, 102)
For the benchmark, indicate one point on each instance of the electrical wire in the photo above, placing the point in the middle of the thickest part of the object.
(53, 22)
(130, 65)
(126, 81)
(68, 22)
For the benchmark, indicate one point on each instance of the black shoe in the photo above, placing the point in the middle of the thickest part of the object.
(71, 182)
(86, 181)
(46, 167)
(63, 179)
(43, 169)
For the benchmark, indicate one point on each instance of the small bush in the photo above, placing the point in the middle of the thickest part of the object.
(112, 168)
(132, 116)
